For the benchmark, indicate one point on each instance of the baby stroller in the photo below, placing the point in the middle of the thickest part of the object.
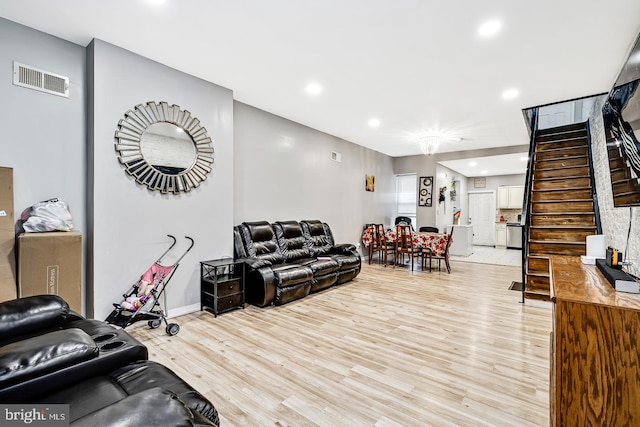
(142, 301)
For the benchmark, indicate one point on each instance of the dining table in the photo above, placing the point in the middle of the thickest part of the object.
(435, 242)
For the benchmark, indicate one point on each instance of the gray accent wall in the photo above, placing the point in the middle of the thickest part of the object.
(129, 223)
(283, 171)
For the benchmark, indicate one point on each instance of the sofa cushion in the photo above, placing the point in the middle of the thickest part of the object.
(318, 240)
(346, 262)
(319, 267)
(260, 241)
(25, 316)
(291, 274)
(291, 240)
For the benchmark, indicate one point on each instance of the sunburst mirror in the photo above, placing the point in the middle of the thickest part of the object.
(164, 147)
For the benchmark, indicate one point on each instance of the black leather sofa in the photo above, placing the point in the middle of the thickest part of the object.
(50, 355)
(288, 260)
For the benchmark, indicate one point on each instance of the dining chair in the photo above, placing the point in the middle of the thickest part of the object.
(445, 255)
(404, 244)
(429, 229)
(379, 243)
(403, 220)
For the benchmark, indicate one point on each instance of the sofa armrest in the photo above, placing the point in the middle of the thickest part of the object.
(42, 354)
(152, 407)
(255, 263)
(343, 248)
(23, 316)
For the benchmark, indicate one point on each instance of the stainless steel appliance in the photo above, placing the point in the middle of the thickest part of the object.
(514, 235)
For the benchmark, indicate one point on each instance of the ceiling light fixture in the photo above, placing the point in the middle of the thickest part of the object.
(472, 164)
(374, 123)
(489, 28)
(484, 172)
(429, 142)
(313, 89)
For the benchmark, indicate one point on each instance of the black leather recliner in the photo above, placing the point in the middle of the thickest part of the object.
(50, 354)
(288, 260)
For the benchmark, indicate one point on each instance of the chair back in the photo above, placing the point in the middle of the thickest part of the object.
(403, 220)
(429, 229)
(379, 239)
(449, 240)
(404, 240)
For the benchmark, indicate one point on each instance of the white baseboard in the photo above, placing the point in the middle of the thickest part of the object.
(175, 312)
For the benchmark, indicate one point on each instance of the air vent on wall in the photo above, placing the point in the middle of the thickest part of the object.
(336, 157)
(44, 81)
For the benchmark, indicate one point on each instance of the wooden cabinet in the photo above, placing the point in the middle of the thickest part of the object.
(595, 350)
(222, 283)
(510, 197)
(501, 234)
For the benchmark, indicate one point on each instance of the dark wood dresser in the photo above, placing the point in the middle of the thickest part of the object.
(595, 348)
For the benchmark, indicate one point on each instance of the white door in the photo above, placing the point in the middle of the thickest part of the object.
(556, 115)
(482, 216)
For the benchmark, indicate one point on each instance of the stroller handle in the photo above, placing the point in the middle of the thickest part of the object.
(192, 242)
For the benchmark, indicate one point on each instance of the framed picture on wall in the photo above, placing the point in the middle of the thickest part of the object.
(479, 182)
(369, 182)
(425, 192)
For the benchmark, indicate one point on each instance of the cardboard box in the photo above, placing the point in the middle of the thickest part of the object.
(7, 237)
(51, 263)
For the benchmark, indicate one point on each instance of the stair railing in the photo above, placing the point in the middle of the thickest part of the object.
(528, 185)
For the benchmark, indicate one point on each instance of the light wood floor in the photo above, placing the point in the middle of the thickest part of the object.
(391, 348)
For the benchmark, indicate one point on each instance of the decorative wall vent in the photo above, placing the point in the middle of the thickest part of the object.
(43, 81)
(336, 157)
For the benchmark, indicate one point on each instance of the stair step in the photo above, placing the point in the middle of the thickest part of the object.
(562, 163)
(566, 184)
(561, 206)
(537, 265)
(562, 129)
(561, 194)
(538, 284)
(578, 219)
(538, 296)
(561, 172)
(562, 153)
(629, 186)
(626, 199)
(560, 234)
(557, 247)
(570, 139)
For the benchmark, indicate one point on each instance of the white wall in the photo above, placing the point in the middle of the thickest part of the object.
(284, 171)
(128, 223)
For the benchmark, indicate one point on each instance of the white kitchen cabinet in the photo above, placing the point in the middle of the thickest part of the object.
(501, 234)
(462, 240)
(516, 196)
(510, 197)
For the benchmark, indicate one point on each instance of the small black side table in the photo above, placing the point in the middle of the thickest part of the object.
(222, 285)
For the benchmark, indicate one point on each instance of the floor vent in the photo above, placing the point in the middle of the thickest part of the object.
(44, 81)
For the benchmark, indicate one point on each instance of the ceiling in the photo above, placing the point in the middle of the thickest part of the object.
(503, 164)
(415, 65)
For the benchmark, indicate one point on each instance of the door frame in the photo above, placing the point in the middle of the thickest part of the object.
(493, 193)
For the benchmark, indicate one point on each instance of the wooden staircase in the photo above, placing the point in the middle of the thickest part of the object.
(626, 188)
(562, 209)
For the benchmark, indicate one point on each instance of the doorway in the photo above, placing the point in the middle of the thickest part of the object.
(482, 211)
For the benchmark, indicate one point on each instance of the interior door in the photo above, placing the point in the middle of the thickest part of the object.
(482, 216)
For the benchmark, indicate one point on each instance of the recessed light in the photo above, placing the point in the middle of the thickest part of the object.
(313, 88)
(374, 123)
(510, 93)
(484, 172)
(472, 164)
(489, 28)
(156, 2)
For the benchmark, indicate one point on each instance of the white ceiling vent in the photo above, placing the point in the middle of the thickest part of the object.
(44, 81)
(336, 157)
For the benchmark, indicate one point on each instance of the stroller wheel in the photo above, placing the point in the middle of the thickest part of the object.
(153, 324)
(173, 329)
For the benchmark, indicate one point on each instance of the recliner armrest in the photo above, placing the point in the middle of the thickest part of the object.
(37, 356)
(23, 316)
(343, 248)
(255, 263)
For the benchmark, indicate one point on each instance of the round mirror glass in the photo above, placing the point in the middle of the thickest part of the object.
(164, 147)
(168, 148)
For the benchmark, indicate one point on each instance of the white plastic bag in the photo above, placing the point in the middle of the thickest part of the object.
(50, 215)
